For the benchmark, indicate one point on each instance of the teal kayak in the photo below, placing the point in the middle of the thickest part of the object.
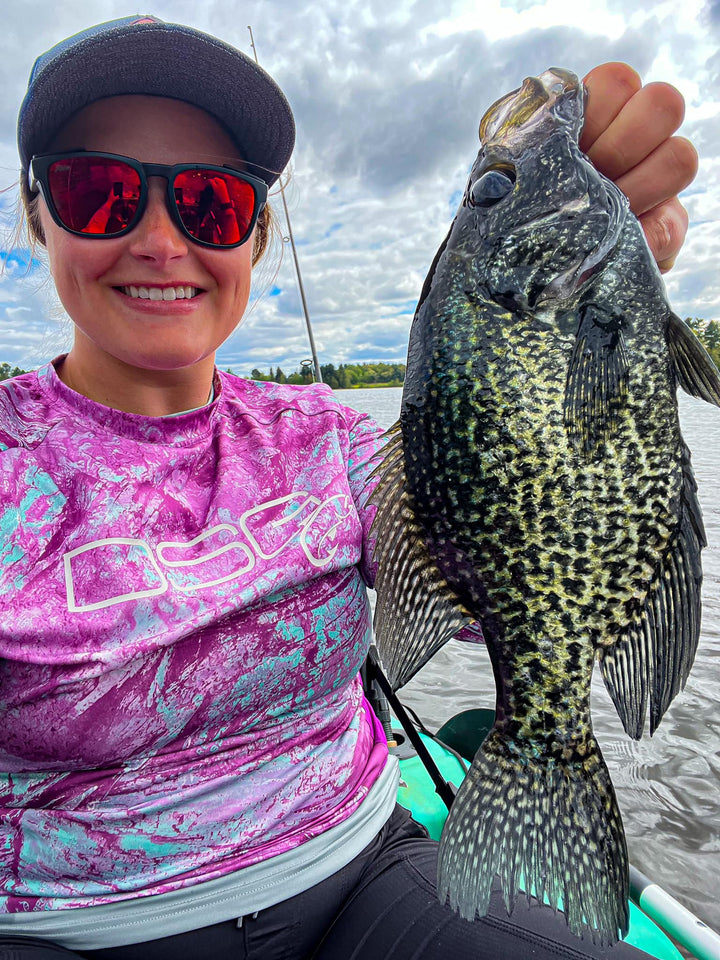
(460, 737)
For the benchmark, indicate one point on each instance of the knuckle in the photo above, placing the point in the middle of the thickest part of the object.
(666, 100)
(665, 228)
(685, 159)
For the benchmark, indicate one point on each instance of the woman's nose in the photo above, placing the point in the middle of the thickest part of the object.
(157, 237)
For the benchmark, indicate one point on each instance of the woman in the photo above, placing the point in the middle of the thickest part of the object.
(190, 768)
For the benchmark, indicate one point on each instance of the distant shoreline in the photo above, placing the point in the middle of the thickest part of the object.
(371, 386)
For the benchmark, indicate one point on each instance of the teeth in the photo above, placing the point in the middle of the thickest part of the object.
(160, 293)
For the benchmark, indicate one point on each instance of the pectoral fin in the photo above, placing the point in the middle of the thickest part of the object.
(416, 610)
(597, 379)
(694, 368)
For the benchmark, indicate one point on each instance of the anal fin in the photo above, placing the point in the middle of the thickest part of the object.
(651, 662)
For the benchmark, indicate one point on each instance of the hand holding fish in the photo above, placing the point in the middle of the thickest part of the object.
(628, 135)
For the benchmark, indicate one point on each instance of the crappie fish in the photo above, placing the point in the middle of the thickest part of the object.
(537, 481)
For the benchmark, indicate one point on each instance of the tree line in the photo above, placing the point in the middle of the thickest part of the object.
(349, 375)
(344, 377)
(6, 371)
(339, 378)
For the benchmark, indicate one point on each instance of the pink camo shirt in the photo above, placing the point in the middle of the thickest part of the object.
(182, 620)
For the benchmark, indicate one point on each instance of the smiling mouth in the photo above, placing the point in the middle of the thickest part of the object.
(160, 293)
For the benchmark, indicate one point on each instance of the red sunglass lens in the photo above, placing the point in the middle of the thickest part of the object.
(214, 206)
(94, 195)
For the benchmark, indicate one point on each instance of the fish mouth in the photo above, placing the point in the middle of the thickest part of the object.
(513, 132)
(556, 95)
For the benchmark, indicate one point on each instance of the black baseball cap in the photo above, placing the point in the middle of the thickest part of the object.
(144, 55)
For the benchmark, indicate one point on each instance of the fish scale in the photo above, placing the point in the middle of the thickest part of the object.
(501, 456)
(537, 482)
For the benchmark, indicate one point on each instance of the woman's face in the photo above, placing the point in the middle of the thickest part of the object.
(93, 277)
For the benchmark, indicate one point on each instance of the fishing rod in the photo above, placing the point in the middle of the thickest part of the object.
(311, 338)
(376, 675)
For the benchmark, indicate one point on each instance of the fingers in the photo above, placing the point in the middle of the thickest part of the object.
(661, 175)
(609, 88)
(628, 135)
(665, 227)
(643, 122)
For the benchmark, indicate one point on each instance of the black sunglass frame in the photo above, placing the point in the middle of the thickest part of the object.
(40, 165)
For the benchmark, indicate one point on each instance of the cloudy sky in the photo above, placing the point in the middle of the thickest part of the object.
(387, 98)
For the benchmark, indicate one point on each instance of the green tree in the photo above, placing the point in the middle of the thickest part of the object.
(340, 378)
(6, 371)
(329, 375)
(712, 341)
(712, 335)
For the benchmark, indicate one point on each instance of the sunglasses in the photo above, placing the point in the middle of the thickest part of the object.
(104, 195)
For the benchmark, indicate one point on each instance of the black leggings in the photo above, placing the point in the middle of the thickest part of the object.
(382, 906)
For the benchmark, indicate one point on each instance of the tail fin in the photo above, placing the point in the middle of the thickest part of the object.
(547, 825)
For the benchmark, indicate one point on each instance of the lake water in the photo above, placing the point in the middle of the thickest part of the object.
(668, 786)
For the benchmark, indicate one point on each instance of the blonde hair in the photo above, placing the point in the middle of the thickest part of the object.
(267, 229)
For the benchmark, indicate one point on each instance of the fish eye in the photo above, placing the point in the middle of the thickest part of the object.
(492, 186)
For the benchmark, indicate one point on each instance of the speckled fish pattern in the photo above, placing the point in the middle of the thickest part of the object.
(538, 482)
